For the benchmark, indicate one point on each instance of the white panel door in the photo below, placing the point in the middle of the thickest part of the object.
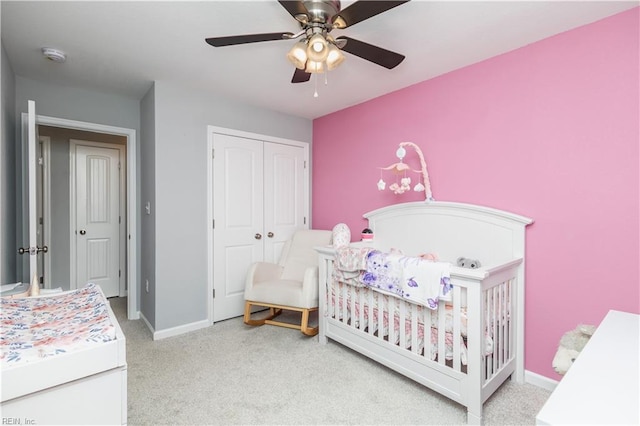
(97, 228)
(283, 196)
(32, 136)
(237, 211)
(40, 161)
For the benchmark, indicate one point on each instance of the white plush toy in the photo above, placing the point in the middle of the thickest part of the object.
(571, 344)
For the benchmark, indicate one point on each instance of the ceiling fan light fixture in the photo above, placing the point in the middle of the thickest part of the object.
(314, 67)
(339, 23)
(298, 55)
(318, 48)
(334, 57)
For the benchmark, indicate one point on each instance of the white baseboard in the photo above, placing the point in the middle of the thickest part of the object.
(540, 381)
(175, 331)
(144, 319)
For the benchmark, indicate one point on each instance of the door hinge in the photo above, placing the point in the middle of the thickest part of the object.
(40, 161)
(214, 293)
(213, 153)
(40, 221)
(119, 165)
(119, 219)
(305, 164)
(119, 272)
(213, 224)
(304, 221)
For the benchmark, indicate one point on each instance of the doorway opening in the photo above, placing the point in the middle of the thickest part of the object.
(126, 139)
(60, 214)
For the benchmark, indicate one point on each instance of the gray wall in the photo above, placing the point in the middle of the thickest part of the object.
(8, 237)
(148, 195)
(78, 104)
(181, 119)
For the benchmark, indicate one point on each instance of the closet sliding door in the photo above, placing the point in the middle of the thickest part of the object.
(259, 197)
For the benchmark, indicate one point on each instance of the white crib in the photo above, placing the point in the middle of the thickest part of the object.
(471, 344)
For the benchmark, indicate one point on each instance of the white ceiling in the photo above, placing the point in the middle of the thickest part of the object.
(123, 46)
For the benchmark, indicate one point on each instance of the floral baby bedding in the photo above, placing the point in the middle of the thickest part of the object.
(420, 281)
(36, 328)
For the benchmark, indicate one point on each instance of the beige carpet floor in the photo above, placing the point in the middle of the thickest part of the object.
(231, 374)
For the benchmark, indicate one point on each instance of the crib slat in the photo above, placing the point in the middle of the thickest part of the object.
(380, 314)
(340, 302)
(391, 319)
(361, 307)
(371, 321)
(494, 328)
(345, 302)
(501, 318)
(485, 328)
(496, 334)
(497, 340)
(402, 324)
(413, 314)
(510, 320)
(442, 335)
(426, 332)
(457, 326)
(352, 306)
(334, 297)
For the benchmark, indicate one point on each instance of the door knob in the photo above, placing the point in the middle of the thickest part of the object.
(270, 235)
(29, 250)
(82, 232)
(257, 236)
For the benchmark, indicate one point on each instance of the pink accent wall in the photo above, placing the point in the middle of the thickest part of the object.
(549, 131)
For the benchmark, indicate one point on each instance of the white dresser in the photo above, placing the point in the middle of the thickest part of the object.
(603, 384)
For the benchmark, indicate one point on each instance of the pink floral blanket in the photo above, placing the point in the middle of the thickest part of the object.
(35, 328)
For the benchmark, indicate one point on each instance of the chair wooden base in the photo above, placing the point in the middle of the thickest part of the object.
(276, 310)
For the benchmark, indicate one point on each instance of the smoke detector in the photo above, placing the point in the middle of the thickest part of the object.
(54, 55)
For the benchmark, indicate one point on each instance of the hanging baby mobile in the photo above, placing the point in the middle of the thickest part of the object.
(400, 170)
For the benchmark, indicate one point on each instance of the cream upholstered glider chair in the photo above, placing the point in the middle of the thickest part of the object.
(291, 284)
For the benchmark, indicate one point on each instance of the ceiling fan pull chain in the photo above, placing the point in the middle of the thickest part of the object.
(326, 78)
(315, 85)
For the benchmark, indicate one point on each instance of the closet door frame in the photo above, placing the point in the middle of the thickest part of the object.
(213, 130)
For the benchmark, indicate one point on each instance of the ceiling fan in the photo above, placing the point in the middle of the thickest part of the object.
(318, 50)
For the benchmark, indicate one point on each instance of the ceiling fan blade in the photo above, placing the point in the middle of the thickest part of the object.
(375, 54)
(295, 8)
(361, 10)
(248, 38)
(300, 76)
